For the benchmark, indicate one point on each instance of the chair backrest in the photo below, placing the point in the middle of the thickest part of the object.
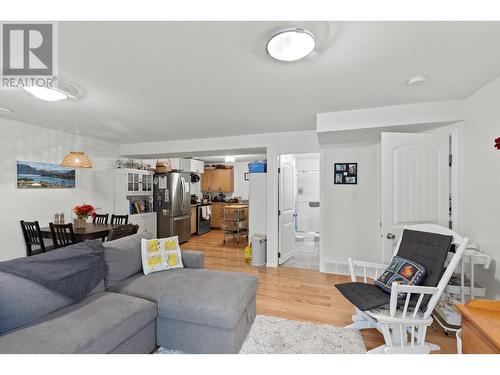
(62, 234)
(436, 250)
(32, 236)
(122, 231)
(119, 219)
(100, 219)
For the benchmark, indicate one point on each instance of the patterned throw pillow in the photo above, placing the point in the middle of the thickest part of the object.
(160, 254)
(402, 271)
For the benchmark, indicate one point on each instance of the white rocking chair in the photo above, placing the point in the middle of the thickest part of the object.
(404, 326)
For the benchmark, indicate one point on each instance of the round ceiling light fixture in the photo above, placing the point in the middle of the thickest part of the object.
(5, 111)
(416, 79)
(291, 44)
(49, 94)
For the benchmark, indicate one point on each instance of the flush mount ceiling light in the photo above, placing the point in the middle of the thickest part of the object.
(49, 94)
(416, 79)
(229, 159)
(5, 111)
(291, 44)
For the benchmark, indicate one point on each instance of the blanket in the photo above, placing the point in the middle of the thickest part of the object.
(72, 271)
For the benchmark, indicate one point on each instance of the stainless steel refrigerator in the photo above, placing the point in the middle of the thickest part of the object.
(172, 204)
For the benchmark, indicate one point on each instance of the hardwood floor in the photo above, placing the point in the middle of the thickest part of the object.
(293, 293)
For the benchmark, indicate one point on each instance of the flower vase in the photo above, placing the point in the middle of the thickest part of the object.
(79, 223)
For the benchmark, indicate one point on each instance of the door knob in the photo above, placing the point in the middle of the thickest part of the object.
(390, 236)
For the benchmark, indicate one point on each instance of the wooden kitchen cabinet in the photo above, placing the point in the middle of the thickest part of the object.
(217, 180)
(206, 179)
(217, 215)
(226, 180)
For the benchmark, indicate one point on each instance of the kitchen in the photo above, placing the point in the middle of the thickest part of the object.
(197, 195)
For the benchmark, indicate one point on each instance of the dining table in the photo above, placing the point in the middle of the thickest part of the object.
(89, 232)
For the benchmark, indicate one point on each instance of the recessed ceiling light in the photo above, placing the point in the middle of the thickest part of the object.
(49, 94)
(5, 111)
(416, 79)
(291, 44)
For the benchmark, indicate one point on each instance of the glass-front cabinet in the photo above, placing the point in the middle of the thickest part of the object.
(147, 182)
(139, 182)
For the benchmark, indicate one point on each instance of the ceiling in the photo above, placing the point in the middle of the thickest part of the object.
(153, 81)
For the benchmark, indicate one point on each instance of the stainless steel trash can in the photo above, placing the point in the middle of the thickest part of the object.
(259, 250)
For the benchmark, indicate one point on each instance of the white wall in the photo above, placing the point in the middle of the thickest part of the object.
(481, 182)
(20, 141)
(350, 213)
(240, 185)
(274, 143)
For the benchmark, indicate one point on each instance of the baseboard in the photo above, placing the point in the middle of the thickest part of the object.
(338, 268)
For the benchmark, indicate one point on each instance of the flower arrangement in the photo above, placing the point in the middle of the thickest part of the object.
(84, 211)
(497, 143)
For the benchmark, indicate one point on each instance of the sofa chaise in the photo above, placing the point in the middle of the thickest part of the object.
(189, 309)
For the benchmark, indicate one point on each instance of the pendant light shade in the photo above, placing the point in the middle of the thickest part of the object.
(76, 159)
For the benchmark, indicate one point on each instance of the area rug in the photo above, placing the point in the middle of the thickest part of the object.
(272, 335)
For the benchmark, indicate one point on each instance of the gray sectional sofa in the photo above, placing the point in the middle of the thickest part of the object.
(189, 309)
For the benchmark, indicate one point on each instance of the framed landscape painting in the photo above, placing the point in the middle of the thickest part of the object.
(33, 175)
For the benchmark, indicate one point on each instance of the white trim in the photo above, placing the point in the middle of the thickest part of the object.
(456, 131)
(396, 115)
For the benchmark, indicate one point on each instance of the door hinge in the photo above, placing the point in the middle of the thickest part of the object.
(450, 159)
(279, 255)
(279, 170)
(279, 212)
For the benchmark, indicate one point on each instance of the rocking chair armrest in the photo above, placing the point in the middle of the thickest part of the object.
(409, 290)
(365, 265)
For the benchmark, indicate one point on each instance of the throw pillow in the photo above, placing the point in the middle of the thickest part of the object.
(161, 254)
(402, 271)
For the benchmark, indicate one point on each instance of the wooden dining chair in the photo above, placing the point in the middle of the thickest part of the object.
(100, 219)
(33, 238)
(122, 231)
(62, 234)
(119, 219)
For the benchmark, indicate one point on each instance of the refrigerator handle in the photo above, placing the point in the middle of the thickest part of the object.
(177, 218)
(183, 201)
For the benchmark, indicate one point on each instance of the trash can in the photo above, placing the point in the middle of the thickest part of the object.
(259, 250)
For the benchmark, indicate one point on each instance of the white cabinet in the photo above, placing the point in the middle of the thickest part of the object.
(137, 182)
(146, 222)
(187, 165)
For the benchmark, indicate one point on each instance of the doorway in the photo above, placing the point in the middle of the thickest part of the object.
(299, 210)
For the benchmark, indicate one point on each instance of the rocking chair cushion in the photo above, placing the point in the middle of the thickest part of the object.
(428, 249)
(364, 296)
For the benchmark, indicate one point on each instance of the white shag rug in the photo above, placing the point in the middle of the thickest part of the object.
(272, 335)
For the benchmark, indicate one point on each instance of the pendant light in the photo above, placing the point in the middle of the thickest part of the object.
(76, 159)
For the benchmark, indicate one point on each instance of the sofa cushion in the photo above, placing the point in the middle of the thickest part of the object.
(123, 258)
(98, 324)
(23, 301)
(213, 298)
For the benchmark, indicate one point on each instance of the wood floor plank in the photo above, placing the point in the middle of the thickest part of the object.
(292, 293)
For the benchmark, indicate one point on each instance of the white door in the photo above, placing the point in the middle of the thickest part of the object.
(415, 183)
(287, 192)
